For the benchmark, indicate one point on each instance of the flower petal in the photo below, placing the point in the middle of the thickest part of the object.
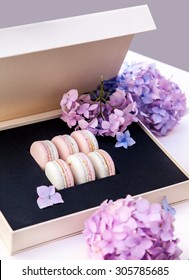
(44, 202)
(43, 191)
(56, 198)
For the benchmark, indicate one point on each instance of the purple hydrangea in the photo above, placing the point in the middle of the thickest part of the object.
(131, 229)
(160, 102)
(139, 92)
(100, 112)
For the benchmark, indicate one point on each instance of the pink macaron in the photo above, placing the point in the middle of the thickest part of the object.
(86, 141)
(59, 174)
(66, 145)
(43, 151)
(102, 163)
(81, 167)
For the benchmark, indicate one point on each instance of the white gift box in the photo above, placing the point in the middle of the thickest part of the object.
(38, 63)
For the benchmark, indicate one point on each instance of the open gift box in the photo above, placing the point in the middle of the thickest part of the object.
(38, 63)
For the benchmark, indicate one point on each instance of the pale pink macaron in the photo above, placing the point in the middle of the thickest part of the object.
(81, 167)
(66, 145)
(86, 141)
(43, 151)
(102, 163)
(59, 174)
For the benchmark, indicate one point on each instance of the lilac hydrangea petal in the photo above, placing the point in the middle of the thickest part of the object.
(137, 253)
(51, 190)
(131, 223)
(56, 198)
(86, 114)
(123, 214)
(93, 107)
(155, 207)
(156, 118)
(44, 202)
(154, 216)
(73, 94)
(43, 191)
(131, 241)
(82, 108)
(147, 100)
(107, 235)
(94, 123)
(166, 236)
(155, 227)
(92, 226)
(142, 205)
(69, 104)
(146, 243)
(83, 124)
(105, 125)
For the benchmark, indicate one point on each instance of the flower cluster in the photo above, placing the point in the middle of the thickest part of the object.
(102, 112)
(138, 92)
(160, 102)
(131, 229)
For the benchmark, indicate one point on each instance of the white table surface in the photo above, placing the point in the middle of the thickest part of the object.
(177, 143)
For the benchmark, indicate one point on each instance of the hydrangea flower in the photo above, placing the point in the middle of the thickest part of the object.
(69, 99)
(105, 111)
(131, 229)
(124, 140)
(160, 102)
(48, 196)
(139, 91)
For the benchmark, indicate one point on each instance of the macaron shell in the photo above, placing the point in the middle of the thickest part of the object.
(102, 163)
(65, 145)
(59, 174)
(81, 167)
(43, 151)
(86, 141)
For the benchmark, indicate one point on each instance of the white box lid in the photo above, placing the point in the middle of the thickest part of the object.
(41, 61)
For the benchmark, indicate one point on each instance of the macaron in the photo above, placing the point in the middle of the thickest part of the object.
(102, 163)
(66, 145)
(59, 174)
(81, 167)
(86, 141)
(43, 151)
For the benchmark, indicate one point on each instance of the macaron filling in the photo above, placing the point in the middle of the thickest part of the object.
(63, 170)
(107, 160)
(86, 168)
(52, 154)
(70, 142)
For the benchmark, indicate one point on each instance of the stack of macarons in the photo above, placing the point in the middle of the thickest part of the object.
(74, 159)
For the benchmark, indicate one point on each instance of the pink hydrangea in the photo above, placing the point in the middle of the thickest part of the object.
(100, 113)
(131, 229)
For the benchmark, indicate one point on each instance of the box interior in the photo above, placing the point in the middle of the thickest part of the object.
(34, 83)
(39, 62)
(141, 168)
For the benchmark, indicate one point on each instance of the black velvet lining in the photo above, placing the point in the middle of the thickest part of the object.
(141, 168)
